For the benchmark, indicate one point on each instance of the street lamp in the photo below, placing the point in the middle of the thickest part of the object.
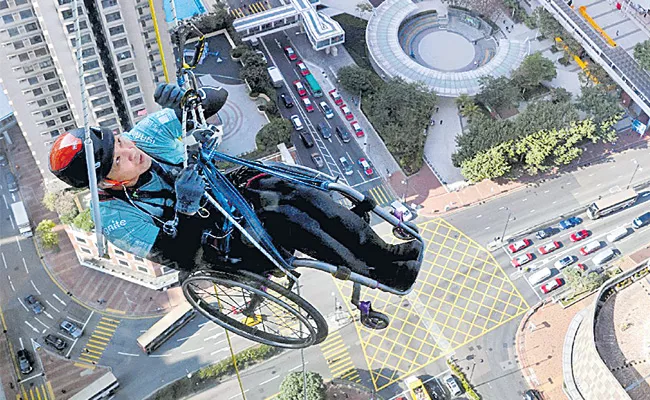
(503, 235)
(633, 173)
(406, 183)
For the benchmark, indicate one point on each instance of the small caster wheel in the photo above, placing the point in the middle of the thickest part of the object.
(375, 320)
(402, 234)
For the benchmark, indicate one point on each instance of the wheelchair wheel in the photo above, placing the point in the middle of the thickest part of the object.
(256, 308)
(375, 320)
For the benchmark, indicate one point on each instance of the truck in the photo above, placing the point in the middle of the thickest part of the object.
(416, 388)
(22, 221)
(276, 76)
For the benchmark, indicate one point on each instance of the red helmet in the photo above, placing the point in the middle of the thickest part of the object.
(68, 156)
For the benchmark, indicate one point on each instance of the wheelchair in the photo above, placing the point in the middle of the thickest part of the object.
(268, 309)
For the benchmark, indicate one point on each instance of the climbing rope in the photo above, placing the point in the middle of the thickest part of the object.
(233, 356)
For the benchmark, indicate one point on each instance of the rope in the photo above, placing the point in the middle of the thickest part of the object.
(232, 352)
(158, 41)
(302, 352)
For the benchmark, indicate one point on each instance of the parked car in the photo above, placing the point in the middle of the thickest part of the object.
(286, 100)
(318, 160)
(300, 88)
(324, 130)
(297, 123)
(307, 139)
(570, 223)
(641, 221)
(578, 236)
(56, 342)
(539, 276)
(347, 167)
(604, 256)
(71, 328)
(365, 166)
(347, 113)
(357, 128)
(518, 245)
(565, 262)
(343, 134)
(617, 234)
(590, 247)
(549, 247)
(552, 285)
(304, 71)
(521, 259)
(327, 110)
(545, 233)
(334, 94)
(532, 394)
(309, 107)
(12, 183)
(24, 361)
(290, 53)
(34, 304)
(3, 160)
(582, 267)
(451, 383)
(398, 207)
(262, 55)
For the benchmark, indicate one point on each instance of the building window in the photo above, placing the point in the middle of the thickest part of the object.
(114, 16)
(138, 258)
(37, 91)
(85, 250)
(36, 39)
(124, 55)
(80, 240)
(69, 128)
(120, 43)
(54, 133)
(116, 30)
(33, 80)
(91, 65)
(104, 112)
(100, 101)
(136, 102)
(18, 44)
(82, 24)
(122, 262)
(93, 78)
(45, 64)
(132, 91)
(8, 18)
(62, 108)
(31, 27)
(66, 118)
(143, 269)
(127, 67)
(23, 57)
(20, 2)
(46, 113)
(63, 2)
(13, 32)
(42, 102)
(84, 39)
(108, 123)
(49, 75)
(130, 79)
(54, 86)
(96, 90)
(3, 4)
(50, 123)
(88, 52)
(40, 52)
(24, 14)
(58, 97)
(119, 252)
(108, 3)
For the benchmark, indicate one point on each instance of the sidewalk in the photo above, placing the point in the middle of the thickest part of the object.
(84, 284)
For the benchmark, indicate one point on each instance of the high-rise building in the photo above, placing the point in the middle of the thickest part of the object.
(38, 68)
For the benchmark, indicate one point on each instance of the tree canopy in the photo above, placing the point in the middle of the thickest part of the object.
(533, 70)
(45, 232)
(293, 387)
(63, 204)
(642, 54)
(359, 80)
(275, 132)
(498, 92)
(603, 106)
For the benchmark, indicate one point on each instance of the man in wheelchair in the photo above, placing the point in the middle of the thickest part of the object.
(143, 185)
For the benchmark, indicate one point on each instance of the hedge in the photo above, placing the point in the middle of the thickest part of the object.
(469, 390)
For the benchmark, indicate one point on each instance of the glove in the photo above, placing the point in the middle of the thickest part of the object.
(189, 189)
(169, 96)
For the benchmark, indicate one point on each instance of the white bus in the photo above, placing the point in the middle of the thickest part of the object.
(102, 388)
(166, 327)
(612, 203)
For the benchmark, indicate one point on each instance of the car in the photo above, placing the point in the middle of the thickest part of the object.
(582, 267)
(570, 223)
(318, 160)
(347, 113)
(521, 259)
(549, 247)
(545, 233)
(302, 92)
(307, 139)
(34, 304)
(24, 361)
(324, 130)
(641, 221)
(590, 247)
(518, 245)
(55, 341)
(399, 207)
(357, 128)
(552, 285)
(451, 383)
(297, 123)
(291, 55)
(343, 134)
(327, 110)
(304, 71)
(71, 328)
(3, 160)
(365, 166)
(579, 235)
(262, 55)
(12, 184)
(565, 262)
(334, 94)
(286, 100)
(347, 167)
(532, 394)
(308, 104)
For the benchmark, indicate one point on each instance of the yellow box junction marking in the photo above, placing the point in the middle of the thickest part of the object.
(461, 294)
(338, 358)
(98, 341)
(381, 195)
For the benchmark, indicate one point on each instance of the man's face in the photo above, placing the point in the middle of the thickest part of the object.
(129, 162)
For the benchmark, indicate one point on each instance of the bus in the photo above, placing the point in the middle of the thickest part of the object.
(416, 388)
(102, 388)
(314, 86)
(166, 327)
(612, 203)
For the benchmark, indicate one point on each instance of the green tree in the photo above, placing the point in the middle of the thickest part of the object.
(364, 7)
(642, 54)
(498, 92)
(547, 24)
(489, 164)
(45, 232)
(358, 80)
(63, 204)
(534, 150)
(596, 71)
(533, 70)
(560, 95)
(275, 132)
(483, 133)
(84, 221)
(293, 387)
(257, 77)
(583, 282)
(467, 106)
(602, 105)
(252, 59)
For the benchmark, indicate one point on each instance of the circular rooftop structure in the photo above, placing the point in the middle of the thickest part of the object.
(448, 53)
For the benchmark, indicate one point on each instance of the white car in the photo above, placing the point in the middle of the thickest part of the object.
(327, 110)
(453, 386)
(406, 213)
(297, 123)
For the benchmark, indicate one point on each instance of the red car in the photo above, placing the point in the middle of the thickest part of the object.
(303, 68)
(521, 260)
(516, 246)
(300, 88)
(549, 247)
(578, 236)
(552, 285)
(365, 165)
(590, 247)
(334, 94)
(308, 104)
(290, 53)
(347, 112)
(357, 128)
(581, 267)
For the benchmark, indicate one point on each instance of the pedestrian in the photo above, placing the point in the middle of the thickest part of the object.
(437, 109)
(504, 22)
(440, 122)
(616, 32)
(150, 298)
(512, 27)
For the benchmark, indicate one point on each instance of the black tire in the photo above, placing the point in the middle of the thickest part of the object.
(402, 234)
(375, 320)
(273, 299)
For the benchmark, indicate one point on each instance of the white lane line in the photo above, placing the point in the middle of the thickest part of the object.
(128, 354)
(213, 328)
(12, 223)
(183, 339)
(18, 242)
(269, 380)
(218, 351)
(213, 337)
(11, 283)
(501, 208)
(160, 355)
(554, 202)
(193, 351)
(24, 306)
(41, 322)
(479, 216)
(25, 264)
(5, 199)
(54, 308)
(200, 325)
(74, 342)
(600, 184)
(3, 260)
(298, 366)
(591, 175)
(57, 297)
(48, 315)
(568, 183)
(75, 320)
(532, 211)
(237, 395)
(22, 346)
(32, 326)
(526, 199)
(487, 227)
(546, 191)
(35, 288)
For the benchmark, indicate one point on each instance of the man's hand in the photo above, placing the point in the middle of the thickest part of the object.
(189, 190)
(169, 96)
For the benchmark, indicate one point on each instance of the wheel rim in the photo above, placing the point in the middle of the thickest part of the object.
(283, 322)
